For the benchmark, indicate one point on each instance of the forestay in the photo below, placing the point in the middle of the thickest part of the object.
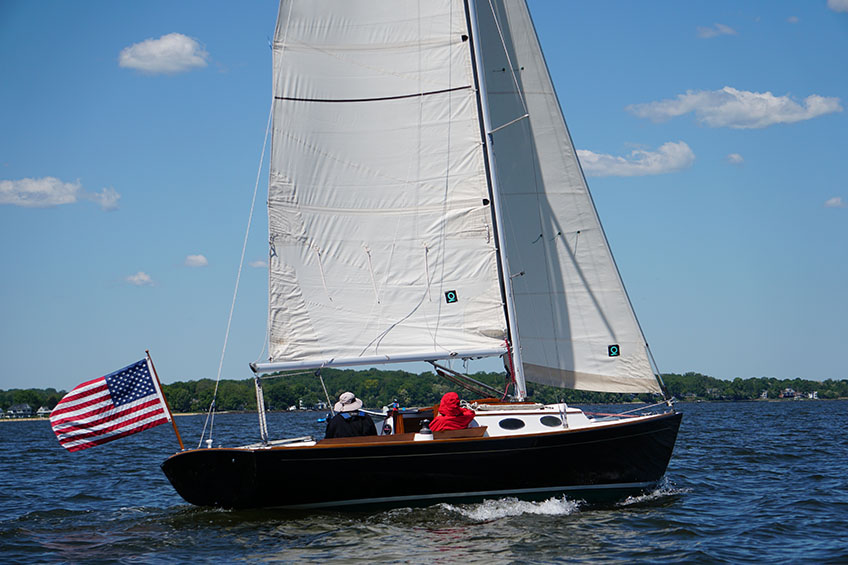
(381, 238)
(576, 326)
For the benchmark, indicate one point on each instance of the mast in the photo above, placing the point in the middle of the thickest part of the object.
(488, 141)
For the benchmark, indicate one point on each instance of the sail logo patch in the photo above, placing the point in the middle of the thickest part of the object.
(450, 297)
(614, 350)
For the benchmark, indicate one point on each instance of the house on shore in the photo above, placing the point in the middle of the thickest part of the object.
(43, 412)
(19, 411)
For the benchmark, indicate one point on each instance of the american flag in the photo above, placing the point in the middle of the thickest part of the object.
(111, 407)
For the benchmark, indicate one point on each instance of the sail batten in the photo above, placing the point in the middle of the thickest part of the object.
(373, 99)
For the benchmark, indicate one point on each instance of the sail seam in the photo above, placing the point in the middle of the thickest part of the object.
(377, 99)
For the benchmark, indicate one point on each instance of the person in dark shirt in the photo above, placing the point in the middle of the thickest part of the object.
(349, 421)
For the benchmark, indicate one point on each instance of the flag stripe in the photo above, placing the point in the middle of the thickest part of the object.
(126, 424)
(84, 444)
(118, 417)
(78, 402)
(84, 387)
(98, 411)
(103, 404)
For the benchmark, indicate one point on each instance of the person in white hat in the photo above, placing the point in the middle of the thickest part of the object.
(349, 421)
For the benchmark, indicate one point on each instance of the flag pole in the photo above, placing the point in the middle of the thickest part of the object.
(162, 393)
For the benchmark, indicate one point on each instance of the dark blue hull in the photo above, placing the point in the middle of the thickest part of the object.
(611, 461)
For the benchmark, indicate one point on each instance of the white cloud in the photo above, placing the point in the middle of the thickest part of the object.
(738, 109)
(107, 198)
(793, 19)
(169, 54)
(50, 191)
(836, 202)
(735, 159)
(838, 5)
(259, 264)
(715, 31)
(196, 261)
(670, 157)
(140, 279)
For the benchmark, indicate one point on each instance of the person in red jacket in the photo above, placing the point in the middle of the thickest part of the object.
(451, 415)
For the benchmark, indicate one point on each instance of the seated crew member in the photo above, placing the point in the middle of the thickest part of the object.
(349, 421)
(451, 415)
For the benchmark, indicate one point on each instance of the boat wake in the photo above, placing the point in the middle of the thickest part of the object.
(506, 507)
(665, 490)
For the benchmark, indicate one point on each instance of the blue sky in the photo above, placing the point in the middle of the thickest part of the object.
(714, 136)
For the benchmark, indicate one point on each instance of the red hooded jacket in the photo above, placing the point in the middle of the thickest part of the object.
(451, 416)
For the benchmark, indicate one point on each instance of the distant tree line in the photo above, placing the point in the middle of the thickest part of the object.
(378, 388)
(36, 398)
(701, 387)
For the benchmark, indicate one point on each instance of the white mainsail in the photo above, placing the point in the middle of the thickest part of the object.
(576, 326)
(382, 245)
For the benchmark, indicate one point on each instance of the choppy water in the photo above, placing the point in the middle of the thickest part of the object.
(749, 482)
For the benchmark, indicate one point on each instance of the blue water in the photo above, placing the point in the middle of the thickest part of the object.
(757, 482)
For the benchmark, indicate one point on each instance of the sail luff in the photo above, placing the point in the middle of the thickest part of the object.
(506, 280)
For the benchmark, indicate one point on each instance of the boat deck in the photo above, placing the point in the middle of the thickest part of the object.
(479, 431)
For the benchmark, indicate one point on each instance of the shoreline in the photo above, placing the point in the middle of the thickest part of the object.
(47, 418)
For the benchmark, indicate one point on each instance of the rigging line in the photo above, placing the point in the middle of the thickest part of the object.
(454, 377)
(519, 118)
(509, 225)
(375, 99)
(532, 150)
(657, 373)
(467, 378)
(238, 276)
(321, 378)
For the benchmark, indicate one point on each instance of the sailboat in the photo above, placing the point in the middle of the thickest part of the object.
(426, 203)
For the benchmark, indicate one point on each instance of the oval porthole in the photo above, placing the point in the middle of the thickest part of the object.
(511, 424)
(551, 421)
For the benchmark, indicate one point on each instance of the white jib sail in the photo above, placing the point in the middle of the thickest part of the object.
(381, 240)
(575, 323)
